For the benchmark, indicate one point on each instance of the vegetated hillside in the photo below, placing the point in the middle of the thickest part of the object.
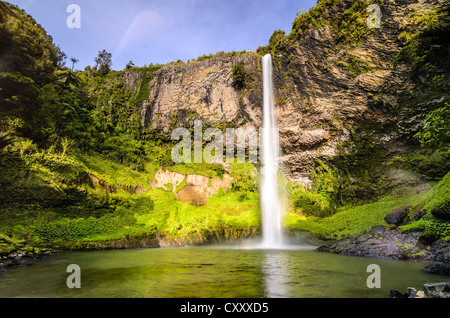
(80, 150)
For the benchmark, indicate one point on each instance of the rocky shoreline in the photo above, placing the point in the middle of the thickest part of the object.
(22, 259)
(379, 243)
(383, 243)
(439, 254)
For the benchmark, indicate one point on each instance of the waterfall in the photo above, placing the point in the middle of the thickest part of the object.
(269, 195)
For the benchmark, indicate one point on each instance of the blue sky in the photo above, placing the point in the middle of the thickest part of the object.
(162, 31)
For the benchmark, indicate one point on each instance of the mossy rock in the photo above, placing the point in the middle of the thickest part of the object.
(442, 211)
(397, 216)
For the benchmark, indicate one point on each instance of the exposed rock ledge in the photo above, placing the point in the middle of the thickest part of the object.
(378, 243)
(193, 189)
(391, 244)
(439, 254)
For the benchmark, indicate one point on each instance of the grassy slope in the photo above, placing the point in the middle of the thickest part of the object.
(358, 220)
(352, 221)
(80, 197)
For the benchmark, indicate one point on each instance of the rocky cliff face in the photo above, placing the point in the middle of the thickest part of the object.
(324, 88)
(202, 90)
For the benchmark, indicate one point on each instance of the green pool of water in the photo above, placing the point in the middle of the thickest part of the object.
(212, 272)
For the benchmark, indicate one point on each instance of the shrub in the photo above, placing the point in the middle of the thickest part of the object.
(278, 39)
(436, 129)
(245, 177)
(436, 229)
(326, 180)
(204, 57)
(73, 229)
(311, 204)
(313, 18)
(239, 75)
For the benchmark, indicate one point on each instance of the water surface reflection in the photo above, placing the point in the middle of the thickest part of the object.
(211, 272)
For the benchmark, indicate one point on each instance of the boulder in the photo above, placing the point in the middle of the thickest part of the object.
(396, 294)
(437, 290)
(438, 268)
(412, 293)
(397, 216)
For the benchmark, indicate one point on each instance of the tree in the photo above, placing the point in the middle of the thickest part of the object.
(276, 37)
(70, 78)
(66, 144)
(60, 57)
(74, 61)
(130, 65)
(103, 62)
(28, 59)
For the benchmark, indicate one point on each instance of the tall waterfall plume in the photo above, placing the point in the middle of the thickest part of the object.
(269, 189)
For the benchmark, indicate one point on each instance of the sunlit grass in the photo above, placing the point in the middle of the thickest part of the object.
(352, 221)
(117, 174)
(180, 218)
